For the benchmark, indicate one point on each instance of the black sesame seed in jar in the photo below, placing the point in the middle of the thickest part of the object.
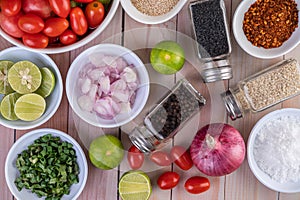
(210, 28)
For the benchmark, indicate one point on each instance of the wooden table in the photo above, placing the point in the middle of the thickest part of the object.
(102, 185)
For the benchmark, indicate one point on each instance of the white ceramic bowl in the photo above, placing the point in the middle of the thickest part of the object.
(135, 14)
(81, 42)
(289, 187)
(260, 52)
(52, 102)
(11, 171)
(73, 91)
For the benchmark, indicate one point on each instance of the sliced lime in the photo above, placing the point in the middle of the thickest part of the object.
(30, 107)
(135, 185)
(24, 77)
(48, 82)
(7, 106)
(5, 65)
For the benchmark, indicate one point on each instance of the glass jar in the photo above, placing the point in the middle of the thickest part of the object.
(167, 117)
(264, 89)
(211, 32)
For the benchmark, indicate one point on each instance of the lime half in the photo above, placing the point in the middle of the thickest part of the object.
(30, 107)
(48, 82)
(8, 105)
(5, 65)
(24, 77)
(135, 185)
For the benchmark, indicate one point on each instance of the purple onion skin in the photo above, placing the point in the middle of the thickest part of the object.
(220, 154)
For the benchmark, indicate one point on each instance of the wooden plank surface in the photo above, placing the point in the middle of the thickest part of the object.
(103, 185)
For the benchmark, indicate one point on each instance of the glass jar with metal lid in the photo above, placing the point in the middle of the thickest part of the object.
(212, 36)
(167, 117)
(264, 89)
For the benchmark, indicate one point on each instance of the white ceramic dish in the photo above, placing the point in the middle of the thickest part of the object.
(52, 102)
(259, 52)
(289, 187)
(135, 14)
(11, 171)
(83, 41)
(141, 95)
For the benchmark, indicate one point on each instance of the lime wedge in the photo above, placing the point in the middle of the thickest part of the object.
(5, 65)
(30, 107)
(135, 185)
(24, 77)
(7, 106)
(48, 82)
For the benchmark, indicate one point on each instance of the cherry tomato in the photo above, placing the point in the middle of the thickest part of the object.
(55, 26)
(39, 7)
(10, 25)
(135, 157)
(11, 7)
(78, 21)
(61, 7)
(94, 13)
(37, 40)
(68, 37)
(168, 180)
(160, 158)
(197, 184)
(31, 23)
(182, 157)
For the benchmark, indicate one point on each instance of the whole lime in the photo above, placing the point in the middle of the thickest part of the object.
(167, 57)
(106, 152)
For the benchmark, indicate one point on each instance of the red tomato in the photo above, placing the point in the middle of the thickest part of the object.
(160, 158)
(37, 40)
(10, 25)
(197, 184)
(68, 37)
(61, 7)
(39, 7)
(94, 13)
(182, 157)
(55, 26)
(78, 21)
(168, 180)
(31, 23)
(11, 7)
(135, 157)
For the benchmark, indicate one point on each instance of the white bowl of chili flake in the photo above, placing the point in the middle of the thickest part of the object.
(152, 11)
(268, 30)
(46, 162)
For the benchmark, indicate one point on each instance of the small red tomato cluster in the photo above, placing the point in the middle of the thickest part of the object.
(43, 23)
(168, 180)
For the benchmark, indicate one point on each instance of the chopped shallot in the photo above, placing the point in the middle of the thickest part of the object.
(108, 86)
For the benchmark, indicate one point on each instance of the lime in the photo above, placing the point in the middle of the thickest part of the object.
(8, 106)
(135, 185)
(24, 77)
(106, 152)
(48, 82)
(167, 57)
(4, 85)
(30, 107)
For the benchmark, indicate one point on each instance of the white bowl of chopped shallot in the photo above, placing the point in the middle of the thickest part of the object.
(107, 85)
(153, 11)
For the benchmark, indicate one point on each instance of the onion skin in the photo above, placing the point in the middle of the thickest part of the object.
(217, 149)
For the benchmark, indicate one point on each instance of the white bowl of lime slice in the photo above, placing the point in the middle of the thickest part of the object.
(31, 88)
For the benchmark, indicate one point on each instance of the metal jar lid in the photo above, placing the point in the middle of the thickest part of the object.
(232, 107)
(217, 74)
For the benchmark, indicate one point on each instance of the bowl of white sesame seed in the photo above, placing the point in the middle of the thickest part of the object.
(152, 11)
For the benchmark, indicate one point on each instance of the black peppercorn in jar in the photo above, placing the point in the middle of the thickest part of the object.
(212, 37)
(166, 119)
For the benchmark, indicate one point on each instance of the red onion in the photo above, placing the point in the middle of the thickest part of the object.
(217, 149)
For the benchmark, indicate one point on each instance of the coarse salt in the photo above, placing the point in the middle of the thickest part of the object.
(277, 149)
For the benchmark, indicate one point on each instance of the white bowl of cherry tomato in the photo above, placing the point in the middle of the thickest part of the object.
(54, 26)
